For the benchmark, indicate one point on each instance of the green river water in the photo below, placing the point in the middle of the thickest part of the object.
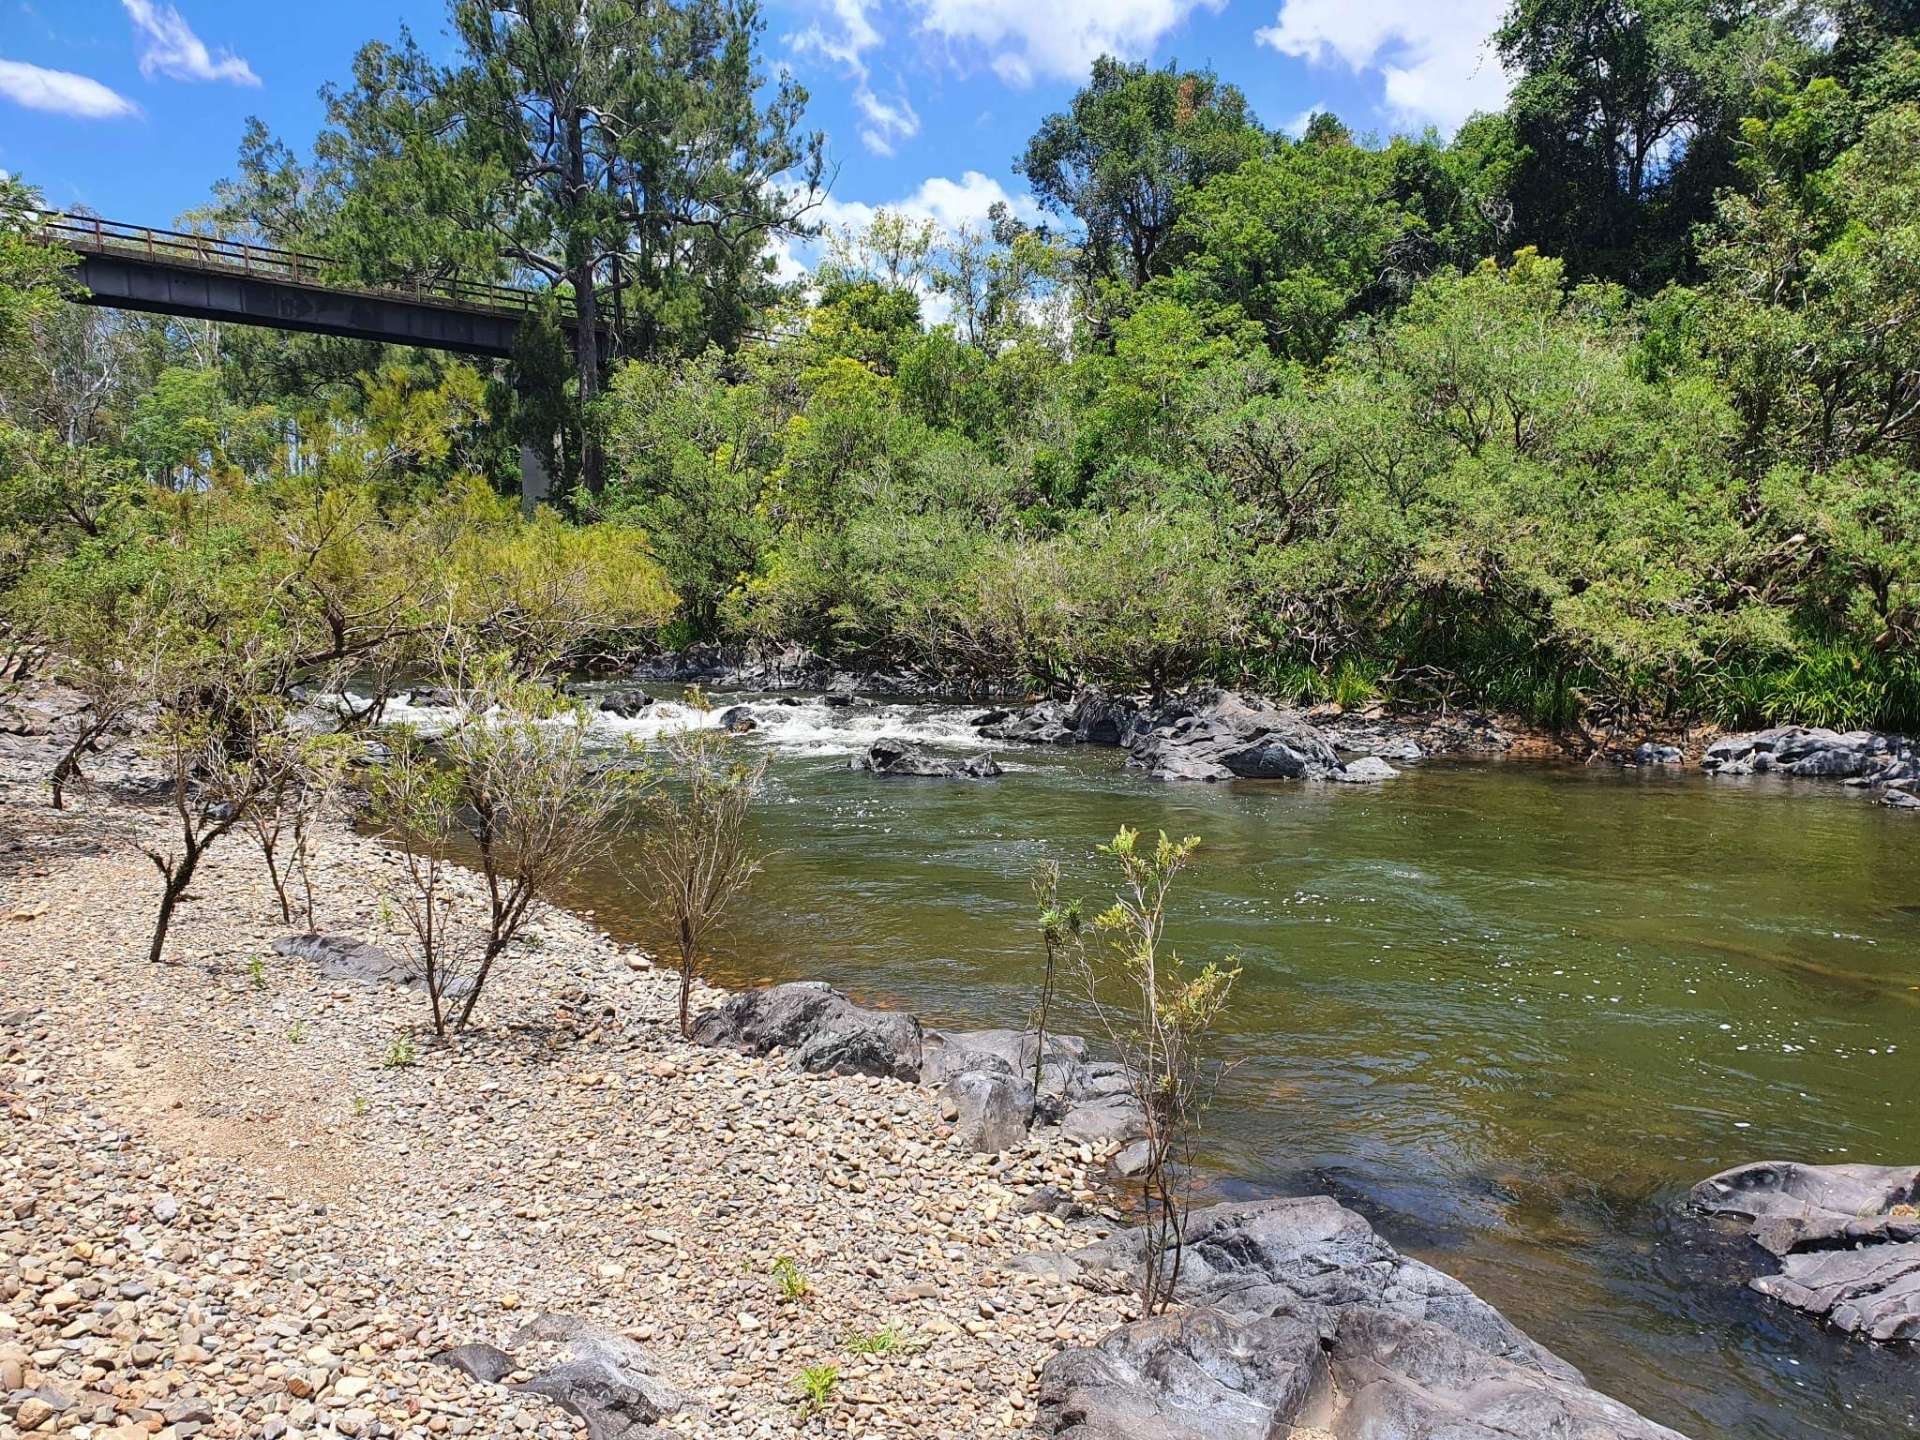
(1509, 1011)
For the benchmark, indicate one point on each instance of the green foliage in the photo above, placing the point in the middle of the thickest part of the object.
(815, 1385)
(401, 1054)
(887, 1340)
(789, 1279)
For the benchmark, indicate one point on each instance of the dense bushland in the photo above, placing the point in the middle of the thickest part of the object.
(1605, 411)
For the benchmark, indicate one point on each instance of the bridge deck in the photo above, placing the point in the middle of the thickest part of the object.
(208, 278)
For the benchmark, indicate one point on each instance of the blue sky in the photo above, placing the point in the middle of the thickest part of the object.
(135, 107)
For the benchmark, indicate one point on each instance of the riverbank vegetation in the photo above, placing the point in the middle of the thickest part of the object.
(1605, 411)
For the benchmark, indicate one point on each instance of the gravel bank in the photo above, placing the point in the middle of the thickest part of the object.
(223, 1212)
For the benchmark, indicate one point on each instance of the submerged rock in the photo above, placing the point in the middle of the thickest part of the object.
(1368, 770)
(1303, 1317)
(738, 720)
(1648, 752)
(897, 757)
(820, 1029)
(1222, 735)
(1848, 1235)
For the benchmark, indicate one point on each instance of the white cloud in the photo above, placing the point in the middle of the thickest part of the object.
(1297, 126)
(1029, 39)
(1436, 62)
(61, 92)
(953, 203)
(173, 50)
(888, 121)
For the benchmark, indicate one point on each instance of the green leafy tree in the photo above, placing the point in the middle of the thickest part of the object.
(1123, 154)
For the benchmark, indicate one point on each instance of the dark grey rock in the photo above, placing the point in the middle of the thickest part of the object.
(1101, 719)
(604, 1378)
(896, 757)
(1303, 1317)
(818, 1027)
(1849, 1236)
(1104, 1121)
(1049, 723)
(991, 1109)
(946, 1053)
(340, 958)
(1873, 1292)
(482, 1362)
(433, 697)
(1650, 753)
(1313, 1258)
(738, 720)
(1864, 755)
(1192, 1375)
(1369, 770)
(1221, 735)
(1788, 1206)
(626, 704)
(990, 717)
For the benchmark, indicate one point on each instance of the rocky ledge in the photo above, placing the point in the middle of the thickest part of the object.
(1298, 1317)
(1212, 735)
(1848, 1238)
(1867, 759)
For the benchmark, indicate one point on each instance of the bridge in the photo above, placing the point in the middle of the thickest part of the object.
(202, 277)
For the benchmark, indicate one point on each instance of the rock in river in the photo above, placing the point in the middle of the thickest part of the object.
(1221, 735)
(820, 1029)
(1862, 755)
(1848, 1237)
(1302, 1317)
(897, 757)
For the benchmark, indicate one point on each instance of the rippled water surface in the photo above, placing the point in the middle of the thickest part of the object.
(1509, 1011)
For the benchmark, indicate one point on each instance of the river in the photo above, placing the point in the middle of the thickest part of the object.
(1510, 1011)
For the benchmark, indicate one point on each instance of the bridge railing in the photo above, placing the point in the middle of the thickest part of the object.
(90, 234)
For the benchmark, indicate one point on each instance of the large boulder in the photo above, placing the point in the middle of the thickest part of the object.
(818, 1028)
(897, 757)
(1221, 735)
(989, 1110)
(1300, 1316)
(1848, 1237)
(605, 1379)
(1191, 1375)
(1091, 1101)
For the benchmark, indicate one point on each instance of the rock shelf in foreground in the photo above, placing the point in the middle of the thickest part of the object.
(1300, 1317)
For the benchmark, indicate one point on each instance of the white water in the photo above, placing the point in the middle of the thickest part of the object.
(788, 724)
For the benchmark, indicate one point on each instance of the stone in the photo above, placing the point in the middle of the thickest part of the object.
(1848, 1237)
(607, 1380)
(737, 720)
(1873, 1292)
(625, 704)
(1106, 1121)
(33, 1412)
(1222, 735)
(340, 958)
(1369, 770)
(990, 1109)
(897, 757)
(433, 697)
(1191, 1375)
(1050, 722)
(818, 1028)
(482, 1362)
(1303, 1319)
(1649, 752)
(1789, 1206)
(1813, 751)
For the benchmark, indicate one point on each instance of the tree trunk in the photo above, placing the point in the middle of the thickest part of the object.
(586, 307)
